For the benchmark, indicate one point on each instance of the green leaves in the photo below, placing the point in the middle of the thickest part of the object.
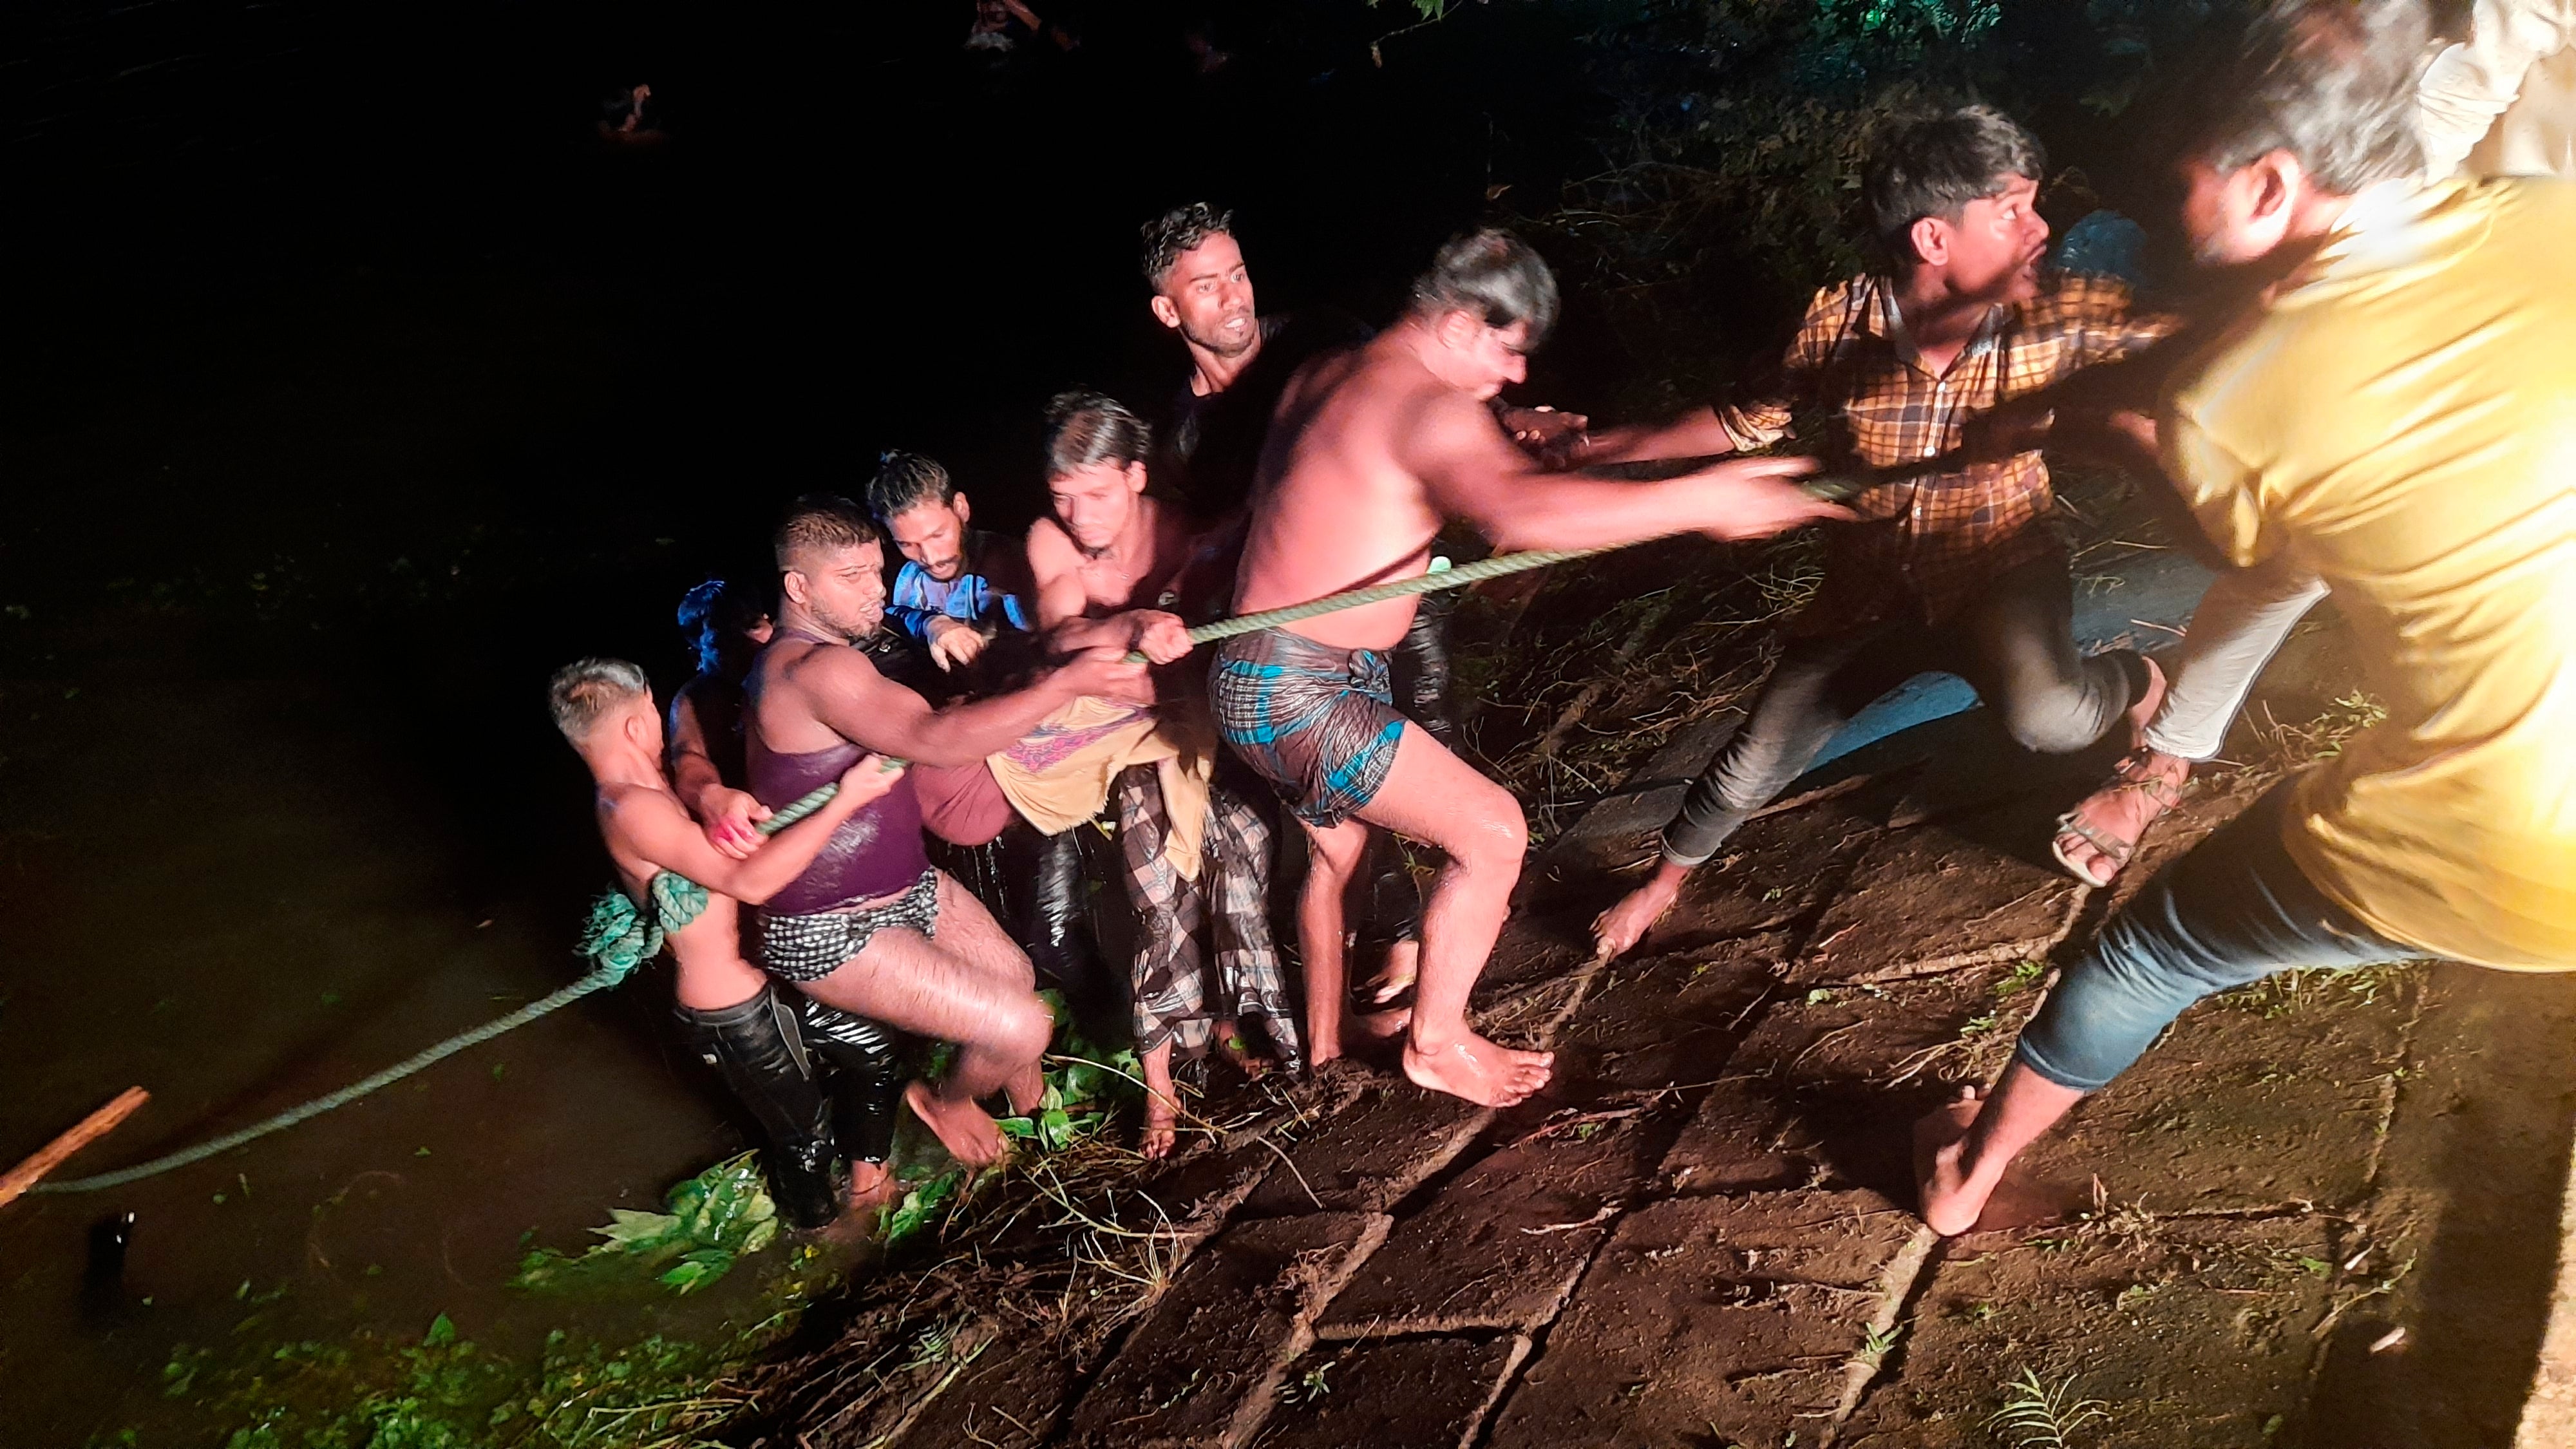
(698, 1269)
(715, 1217)
(630, 1228)
(923, 1202)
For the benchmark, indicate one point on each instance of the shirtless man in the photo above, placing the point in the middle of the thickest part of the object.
(605, 709)
(767, 1044)
(871, 928)
(1371, 451)
(1116, 568)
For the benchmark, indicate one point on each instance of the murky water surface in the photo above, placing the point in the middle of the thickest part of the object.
(222, 893)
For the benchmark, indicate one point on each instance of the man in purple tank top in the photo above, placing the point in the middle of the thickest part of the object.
(870, 927)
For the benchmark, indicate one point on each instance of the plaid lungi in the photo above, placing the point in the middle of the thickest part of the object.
(812, 946)
(1318, 721)
(1178, 999)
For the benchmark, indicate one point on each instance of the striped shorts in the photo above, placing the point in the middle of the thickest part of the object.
(1316, 720)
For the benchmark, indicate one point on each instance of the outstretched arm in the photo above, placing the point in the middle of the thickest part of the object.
(847, 693)
(1695, 434)
(1475, 473)
(650, 826)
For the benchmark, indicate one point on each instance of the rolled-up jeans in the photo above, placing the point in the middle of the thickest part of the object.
(2238, 626)
(2015, 644)
(2235, 909)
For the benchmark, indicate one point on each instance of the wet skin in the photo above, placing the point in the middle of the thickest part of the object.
(1371, 452)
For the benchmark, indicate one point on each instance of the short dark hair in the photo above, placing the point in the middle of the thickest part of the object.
(583, 692)
(2332, 82)
(821, 520)
(1181, 229)
(1935, 164)
(1086, 428)
(905, 480)
(1494, 276)
(713, 610)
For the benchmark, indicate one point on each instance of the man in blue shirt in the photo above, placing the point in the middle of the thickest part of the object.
(958, 585)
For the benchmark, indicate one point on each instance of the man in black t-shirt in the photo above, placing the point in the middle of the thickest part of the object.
(1240, 361)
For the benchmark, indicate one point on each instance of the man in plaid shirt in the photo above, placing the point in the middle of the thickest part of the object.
(1959, 569)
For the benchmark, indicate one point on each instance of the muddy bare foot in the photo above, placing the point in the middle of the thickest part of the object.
(872, 1186)
(1162, 1127)
(1229, 1040)
(1617, 930)
(1951, 1204)
(963, 1128)
(1026, 1090)
(1403, 962)
(1481, 1071)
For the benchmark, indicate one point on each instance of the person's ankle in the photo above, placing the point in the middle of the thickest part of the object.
(1432, 1042)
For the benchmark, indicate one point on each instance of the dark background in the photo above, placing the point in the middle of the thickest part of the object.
(343, 346)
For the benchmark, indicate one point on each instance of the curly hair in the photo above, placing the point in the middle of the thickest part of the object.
(1181, 229)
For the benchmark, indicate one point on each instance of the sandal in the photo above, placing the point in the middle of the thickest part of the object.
(2134, 772)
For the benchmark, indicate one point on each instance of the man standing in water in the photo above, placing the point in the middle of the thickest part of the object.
(1371, 451)
(2397, 414)
(870, 927)
(605, 709)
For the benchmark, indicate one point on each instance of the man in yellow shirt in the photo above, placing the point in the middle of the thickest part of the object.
(2397, 416)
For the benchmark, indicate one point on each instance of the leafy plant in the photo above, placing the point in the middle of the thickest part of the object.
(721, 1214)
(2039, 1417)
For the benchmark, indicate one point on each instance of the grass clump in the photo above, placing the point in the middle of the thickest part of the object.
(2036, 1416)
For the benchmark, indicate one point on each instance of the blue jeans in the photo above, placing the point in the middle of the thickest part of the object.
(2232, 911)
(2015, 643)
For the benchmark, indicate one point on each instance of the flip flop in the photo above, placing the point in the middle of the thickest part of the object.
(2161, 793)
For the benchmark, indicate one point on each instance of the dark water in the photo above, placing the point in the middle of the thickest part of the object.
(352, 385)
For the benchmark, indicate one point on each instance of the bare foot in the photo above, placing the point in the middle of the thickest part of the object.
(2114, 818)
(1229, 1040)
(872, 1186)
(1479, 1070)
(1026, 1090)
(962, 1127)
(1162, 1126)
(1403, 962)
(1951, 1203)
(1617, 930)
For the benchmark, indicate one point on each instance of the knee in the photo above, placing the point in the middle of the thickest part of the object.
(1023, 1031)
(1336, 852)
(2046, 725)
(1493, 837)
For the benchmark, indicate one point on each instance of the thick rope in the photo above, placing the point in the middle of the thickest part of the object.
(619, 940)
(625, 944)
